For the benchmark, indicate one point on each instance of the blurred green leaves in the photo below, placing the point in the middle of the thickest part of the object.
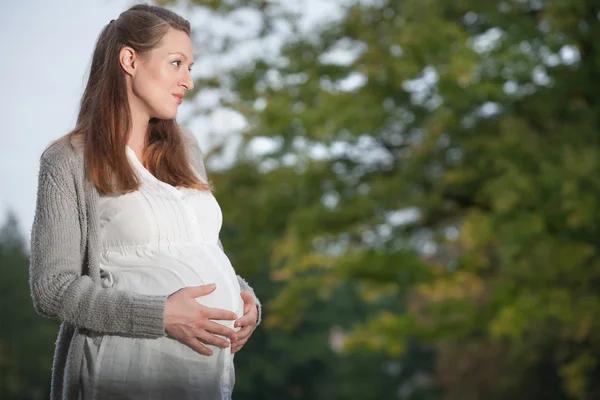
(478, 122)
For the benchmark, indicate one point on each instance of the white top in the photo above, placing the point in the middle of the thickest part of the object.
(156, 241)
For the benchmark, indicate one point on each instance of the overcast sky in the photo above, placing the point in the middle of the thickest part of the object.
(46, 47)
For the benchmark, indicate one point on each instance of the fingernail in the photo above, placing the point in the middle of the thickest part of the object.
(212, 285)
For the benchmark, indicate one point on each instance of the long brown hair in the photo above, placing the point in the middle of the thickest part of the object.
(104, 119)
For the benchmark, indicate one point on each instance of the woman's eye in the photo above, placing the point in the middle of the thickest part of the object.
(178, 62)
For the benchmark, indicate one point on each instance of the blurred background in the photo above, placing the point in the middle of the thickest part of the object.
(411, 186)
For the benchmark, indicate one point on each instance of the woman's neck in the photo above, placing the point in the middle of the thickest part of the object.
(139, 131)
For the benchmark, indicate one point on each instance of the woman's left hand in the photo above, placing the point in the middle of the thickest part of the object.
(247, 322)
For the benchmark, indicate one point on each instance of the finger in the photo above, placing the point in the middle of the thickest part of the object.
(249, 318)
(244, 333)
(238, 346)
(198, 291)
(208, 338)
(198, 347)
(247, 297)
(216, 328)
(244, 321)
(219, 314)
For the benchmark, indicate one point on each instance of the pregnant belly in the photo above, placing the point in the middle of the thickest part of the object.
(162, 271)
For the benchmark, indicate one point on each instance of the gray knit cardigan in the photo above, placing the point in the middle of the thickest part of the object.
(64, 267)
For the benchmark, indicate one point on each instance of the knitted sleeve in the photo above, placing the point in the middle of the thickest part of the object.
(59, 288)
(196, 159)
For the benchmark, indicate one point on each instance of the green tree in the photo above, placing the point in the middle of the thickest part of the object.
(26, 339)
(445, 166)
(298, 358)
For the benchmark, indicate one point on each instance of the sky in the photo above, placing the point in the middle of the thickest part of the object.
(47, 47)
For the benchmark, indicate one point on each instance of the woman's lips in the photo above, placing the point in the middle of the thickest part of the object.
(179, 98)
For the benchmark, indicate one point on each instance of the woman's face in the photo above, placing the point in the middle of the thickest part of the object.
(163, 76)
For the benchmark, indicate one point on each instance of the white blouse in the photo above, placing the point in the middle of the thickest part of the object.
(156, 241)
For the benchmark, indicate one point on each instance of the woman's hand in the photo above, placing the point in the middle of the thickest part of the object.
(247, 322)
(190, 322)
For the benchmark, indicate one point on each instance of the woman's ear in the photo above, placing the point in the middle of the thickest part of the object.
(129, 60)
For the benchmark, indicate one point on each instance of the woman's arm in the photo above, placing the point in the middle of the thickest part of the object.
(58, 287)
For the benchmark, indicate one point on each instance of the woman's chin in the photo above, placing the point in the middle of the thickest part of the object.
(165, 114)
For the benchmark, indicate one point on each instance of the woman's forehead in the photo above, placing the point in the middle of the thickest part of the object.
(176, 42)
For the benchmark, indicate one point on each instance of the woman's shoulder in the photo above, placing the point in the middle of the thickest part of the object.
(63, 155)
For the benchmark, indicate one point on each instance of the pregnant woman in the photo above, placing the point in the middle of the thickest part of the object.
(125, 239)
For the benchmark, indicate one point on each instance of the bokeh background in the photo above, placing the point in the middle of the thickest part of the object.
(411, 186)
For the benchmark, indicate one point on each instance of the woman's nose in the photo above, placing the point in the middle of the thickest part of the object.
(187, 82)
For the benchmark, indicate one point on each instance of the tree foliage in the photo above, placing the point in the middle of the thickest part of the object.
(440, 160)
(26, 339)
(421, 219)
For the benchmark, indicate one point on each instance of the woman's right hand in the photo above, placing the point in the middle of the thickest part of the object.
(191, 323)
